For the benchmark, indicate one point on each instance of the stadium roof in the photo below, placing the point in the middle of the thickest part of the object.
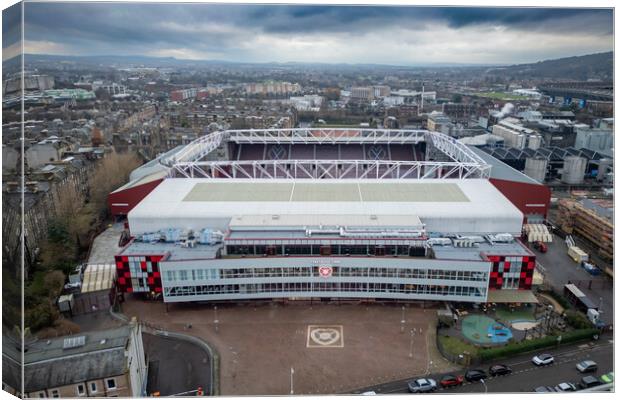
(501, 170)
(551, 153)
(446, 205)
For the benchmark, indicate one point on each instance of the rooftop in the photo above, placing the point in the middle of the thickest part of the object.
(476, 253)
(501, 170)
(175, 251)
(98, 277)
(332, 192)
(445, 205)
(69, 359)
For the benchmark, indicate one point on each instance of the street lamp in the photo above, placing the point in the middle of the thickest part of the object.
(402, 320)
(292, 373)
(215, 320)
(411, 343)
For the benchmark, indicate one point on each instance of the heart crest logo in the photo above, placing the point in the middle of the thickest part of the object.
(325, 336)
(325, 271)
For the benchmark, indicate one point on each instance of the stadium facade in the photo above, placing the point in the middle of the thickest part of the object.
(327, 213)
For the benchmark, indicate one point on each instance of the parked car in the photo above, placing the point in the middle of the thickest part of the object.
(422, 385)
(540, 246)
(543, 359)
(589, 381)
(499, 369)
(544, 389)
(565, 387)
(475, 375)
(608, 378)
(451, 380)
(587, 366)
(370, 393)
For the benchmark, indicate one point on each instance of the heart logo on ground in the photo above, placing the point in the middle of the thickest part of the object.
(325, 336)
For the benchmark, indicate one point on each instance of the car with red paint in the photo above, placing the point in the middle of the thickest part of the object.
(451, 380)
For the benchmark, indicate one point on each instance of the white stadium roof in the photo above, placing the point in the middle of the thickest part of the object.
(446, 205)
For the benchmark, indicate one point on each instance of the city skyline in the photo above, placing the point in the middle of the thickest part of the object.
(394, 35)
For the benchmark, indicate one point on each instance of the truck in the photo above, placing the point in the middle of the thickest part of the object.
(577, 254)
(590, 268)
(595, 317)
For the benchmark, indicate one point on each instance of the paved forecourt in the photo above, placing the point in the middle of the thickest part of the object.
(331, 348)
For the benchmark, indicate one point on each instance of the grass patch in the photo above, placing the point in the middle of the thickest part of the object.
(501, 96)
(456, 346)
(523, 313)
(37, 285)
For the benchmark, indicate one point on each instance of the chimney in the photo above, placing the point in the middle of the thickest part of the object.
(12, 187)
(32, 186)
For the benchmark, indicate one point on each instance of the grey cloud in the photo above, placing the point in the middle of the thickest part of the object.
(125, 28)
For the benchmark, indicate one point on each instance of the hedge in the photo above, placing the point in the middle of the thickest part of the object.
(535, 344)
(577, 320)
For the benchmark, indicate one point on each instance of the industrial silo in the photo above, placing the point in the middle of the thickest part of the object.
(603, 167)
(574, 170)
(534, 142)
(536, 168)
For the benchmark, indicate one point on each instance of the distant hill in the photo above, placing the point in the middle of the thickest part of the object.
(591, 66)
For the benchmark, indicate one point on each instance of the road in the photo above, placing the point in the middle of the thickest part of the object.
(175, 366)
(526, 376)
(559, 269)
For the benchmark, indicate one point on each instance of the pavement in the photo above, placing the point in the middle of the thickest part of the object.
(559, 269)
(331, 348)
(105, 245)
(175, 366)
(525, 376)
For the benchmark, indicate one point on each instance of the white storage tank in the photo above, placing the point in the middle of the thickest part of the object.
(535, 141)
(574, 169)
(603, 168)
(536, 168)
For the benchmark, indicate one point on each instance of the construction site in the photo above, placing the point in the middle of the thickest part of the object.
(589, 220)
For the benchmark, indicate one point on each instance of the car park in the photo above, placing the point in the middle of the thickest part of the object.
(589, 381)
(608, 378)
(475, 375)
(499, 369)
(451, 380)
(422, 385)
(543, 359)
(565, 387)
(586, 366)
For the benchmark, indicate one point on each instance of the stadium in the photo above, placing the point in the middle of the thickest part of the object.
(306, 213)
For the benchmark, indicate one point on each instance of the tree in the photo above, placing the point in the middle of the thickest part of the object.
(53, 283)
(111, 173)
(457, 98)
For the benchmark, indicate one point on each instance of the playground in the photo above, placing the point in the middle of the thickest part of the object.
(481, 329)
(497, 325)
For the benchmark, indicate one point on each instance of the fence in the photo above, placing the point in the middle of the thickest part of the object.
(465, 359)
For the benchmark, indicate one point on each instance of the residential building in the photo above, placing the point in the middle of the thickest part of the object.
(104, 363)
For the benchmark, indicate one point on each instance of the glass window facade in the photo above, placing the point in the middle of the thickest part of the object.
(262, 278)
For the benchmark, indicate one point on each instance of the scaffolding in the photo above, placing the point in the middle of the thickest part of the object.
(575, 218)
(596, 229)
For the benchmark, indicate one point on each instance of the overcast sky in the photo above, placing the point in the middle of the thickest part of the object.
(351, 34)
